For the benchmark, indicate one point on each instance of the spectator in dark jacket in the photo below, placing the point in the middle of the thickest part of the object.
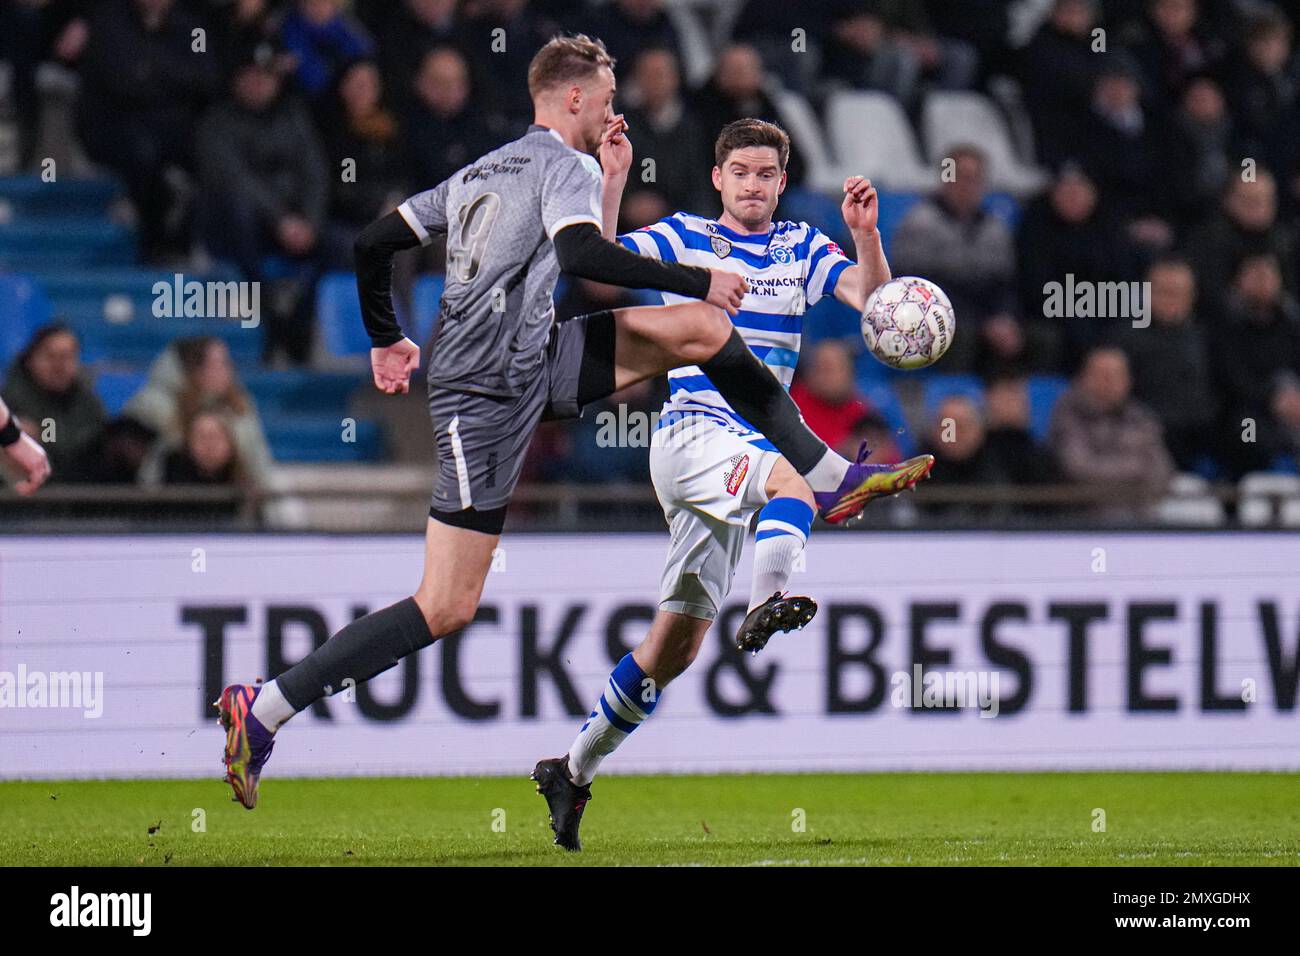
(1247, 224)
(630, 26)
(266, 190)
(1264, 89)
(242, 27)
(959, 443)
(410, 29)
(1060, 69)
(444, 128)
(1063, 234)
(1117, 143)
(501, 41)
(367, 155)
(49, 394)
(735, 92)
(862, 53)
(1176, 46)
(1016, 455)
(1170, 361)
(142, 89)
(1198, 157)
(661, 129)
(1256, 350)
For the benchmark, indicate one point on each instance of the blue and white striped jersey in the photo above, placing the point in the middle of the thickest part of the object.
(789, 268)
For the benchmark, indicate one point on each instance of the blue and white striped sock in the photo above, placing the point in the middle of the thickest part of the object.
(783, 528)
(629, 698)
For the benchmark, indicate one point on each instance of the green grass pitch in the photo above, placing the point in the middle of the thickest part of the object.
(848, 819)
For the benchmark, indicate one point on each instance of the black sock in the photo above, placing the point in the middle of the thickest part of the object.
(760, 399)
(366, 647)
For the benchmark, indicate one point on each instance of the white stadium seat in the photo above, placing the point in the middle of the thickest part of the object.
(870, 136)
(1189, 503)
(1259, 492)
(697, 53)
(799, 119)
(949, 119)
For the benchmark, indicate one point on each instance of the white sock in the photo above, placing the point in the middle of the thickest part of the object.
(827, 474)
(783, 528)
(629, 698)
(270, 708)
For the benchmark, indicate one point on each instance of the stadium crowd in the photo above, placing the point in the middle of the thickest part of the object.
(1171, 139)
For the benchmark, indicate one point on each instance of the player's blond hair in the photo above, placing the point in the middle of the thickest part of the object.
(566, 60)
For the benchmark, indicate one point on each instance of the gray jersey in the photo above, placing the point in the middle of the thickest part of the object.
(500, 214)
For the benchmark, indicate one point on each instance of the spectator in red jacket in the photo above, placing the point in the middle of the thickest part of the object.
(831, 404)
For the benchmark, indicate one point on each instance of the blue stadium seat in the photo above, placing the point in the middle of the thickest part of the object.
(941, 387)
(338, 316)
(893, 207)
(885, 401)
(1044, 390)
(65, 242)
(116, 388)
(299, 390)
(318, 437)
(425, 298)
(23, 309)
(140, 341)
(33, 196)
(831, 319)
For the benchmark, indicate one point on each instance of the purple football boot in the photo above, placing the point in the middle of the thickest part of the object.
(248, 743)
(863, 482)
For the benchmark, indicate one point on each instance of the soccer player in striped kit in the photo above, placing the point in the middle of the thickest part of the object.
(711, 468)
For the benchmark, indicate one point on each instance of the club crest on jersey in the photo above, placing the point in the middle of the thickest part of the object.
(739, 466)
(721, 246)
(781, 254)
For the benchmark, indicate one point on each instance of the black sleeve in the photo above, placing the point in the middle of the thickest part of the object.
(373, 254)
(583, 252)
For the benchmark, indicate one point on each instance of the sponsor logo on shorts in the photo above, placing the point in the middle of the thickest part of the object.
(739, 466)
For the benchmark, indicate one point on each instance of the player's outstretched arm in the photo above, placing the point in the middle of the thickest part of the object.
(861, 214)
(582, 251)
(393, 357)
(22, 452)
(615, 162)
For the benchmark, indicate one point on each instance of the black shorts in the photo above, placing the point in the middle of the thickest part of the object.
(482, 440)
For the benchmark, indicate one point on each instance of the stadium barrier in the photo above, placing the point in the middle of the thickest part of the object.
(967, 651)
(394, 499)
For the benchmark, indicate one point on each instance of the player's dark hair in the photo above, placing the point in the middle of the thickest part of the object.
(566, 60)
(744, 133)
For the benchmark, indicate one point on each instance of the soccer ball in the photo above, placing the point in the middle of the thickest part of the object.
(908, 323)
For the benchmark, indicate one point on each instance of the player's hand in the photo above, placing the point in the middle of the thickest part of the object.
(615, 149)
(27, 455)
(861, 208)
(393, 366)
(726, 290)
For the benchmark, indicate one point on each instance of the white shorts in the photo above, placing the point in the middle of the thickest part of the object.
(709, 480)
